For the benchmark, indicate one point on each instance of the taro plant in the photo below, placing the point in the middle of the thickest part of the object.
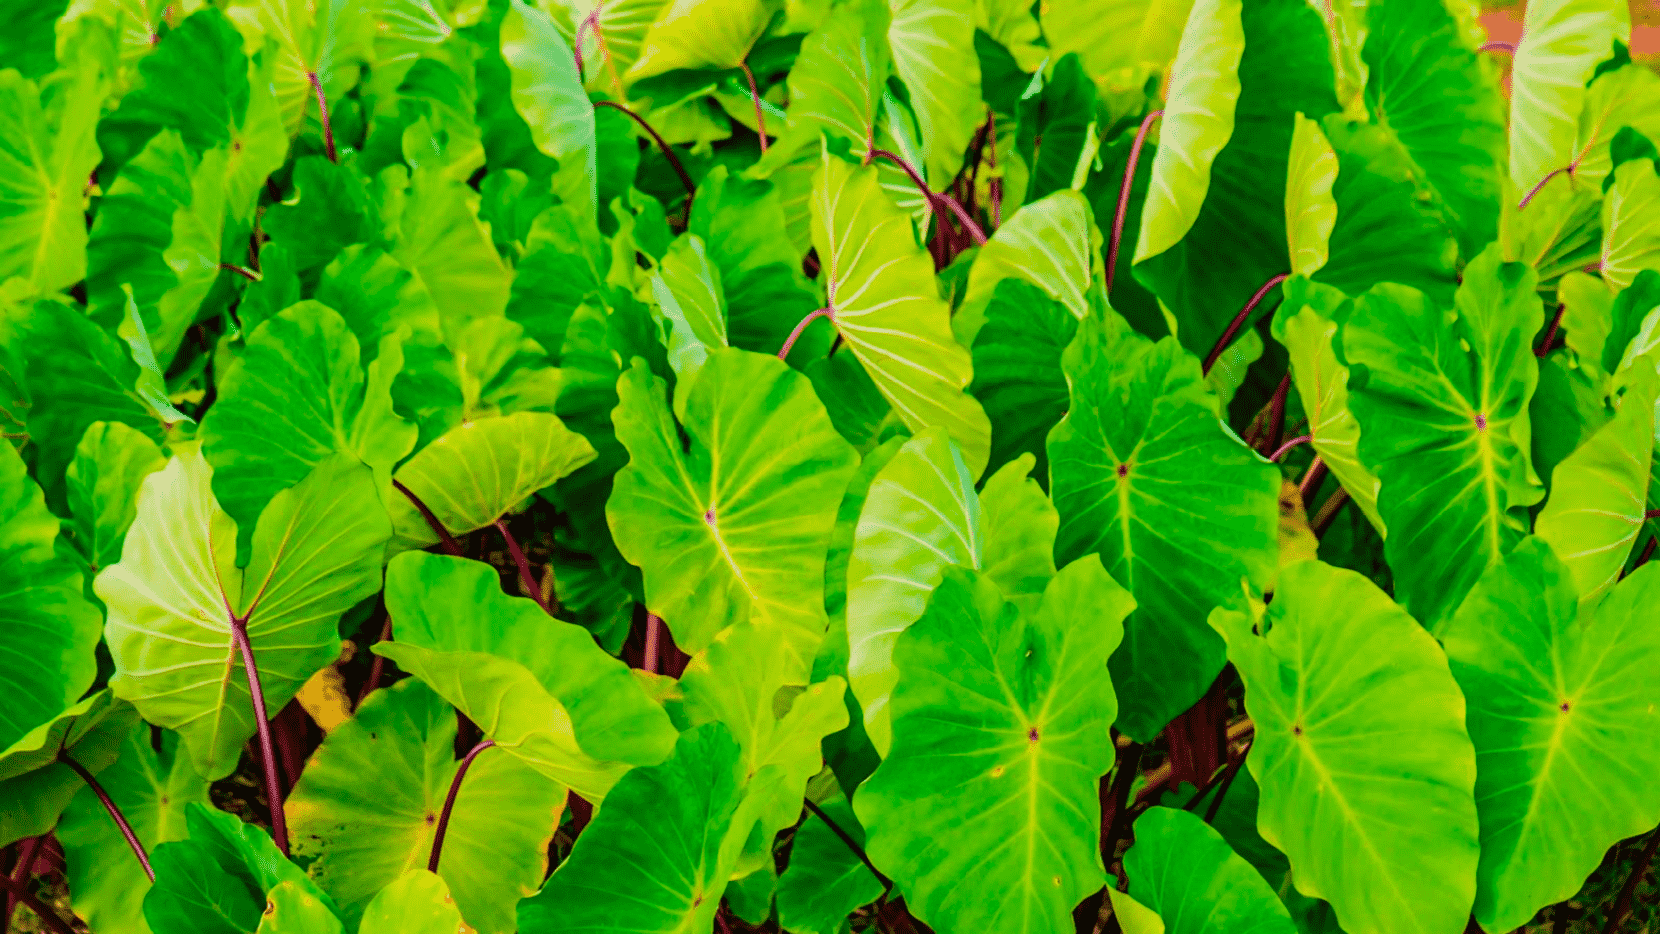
(658, 466)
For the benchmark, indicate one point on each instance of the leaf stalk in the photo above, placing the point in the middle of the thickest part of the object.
(114, 812)
(449, 803)
(273, 789)
(1124, 193)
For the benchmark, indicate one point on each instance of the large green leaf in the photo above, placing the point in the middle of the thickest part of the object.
(1631, 223)
(885, 304)
(316, 552)
(837, 81)
(657, 857)
(701, 34)
(1017, 370)
(1052, 243)
(690, 301)
(418, 902)
(547, 91)
(1562, 43)
(47, 151)
(539, 687)
(364, 811)
(734, 527)
(932, 43)
(442, 243)
(295, 397)
(1145, 475)
(1427, 88)
(50, 629)
(1561, 705)
(110, 463)
(151, 785)
(323, 40)
(1360, 750)
(1443, 418)
(1617, 99)
(1310, 210)
(1185, 872)
(920, 517)
(35, 786)
(1000, 737)
(825, 880)
(478, 472)
(1121, 42)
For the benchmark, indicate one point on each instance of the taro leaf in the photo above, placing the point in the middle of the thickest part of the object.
(539, 687)
(547, 91)
(1060, 128)
(34, 786)
(690, 303)
(658, 856)
(407, 28)
(51, 630)
(1219, 175)
(886, 306)
(316, 552)
(322, 40)
(1443, 418)
(611, 44)
(1558, 234)
(110, 463)
(562, 265)
(1310, 210)
(1560, 713)
(921, 517)
(1186, 872)
(1598, 496)
(330, 210)
(1052, 243)
(1307, 325)
(1631, 224)
(444, 246)
(1017, 374)
(1145, 475)
(737, 680)
(293, 908)
(296, 397)
(825, 880)
(702, 35)
(1121, 42)
(151, 786)
(417, 902)
(932, 43)
(216, 879)
(1562, 43)
(734, 527)
(1000, 737)
(1427, 89)
(837, 81)
(1618, 101)
(1360, 751)
(364, 810)
(1133, 917)
(47, 150)
(27, 44)
(480, 471)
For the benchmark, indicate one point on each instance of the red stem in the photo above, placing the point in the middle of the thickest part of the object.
(1294, 442)
(1276, 413)
(378, 667)
(273, 792)
(853, 845)
(1239, 320)
(444, 536)
(20, 891)
(755, 95)
(972, 228)
(789, 342)
(323, 107)
(1648, 552)
(1550, 335)
(995, 186)
(26, 853)
(449, 803)
(1622, 905)
(1124, 193)
(1227, 781)
(1497, 46)
(114, 812)
(1536, 188)
(1328, 512)
(664, 148)
(525, 577)
(1312, 480)
(654, 625)
(248, 274)
(1129, 766)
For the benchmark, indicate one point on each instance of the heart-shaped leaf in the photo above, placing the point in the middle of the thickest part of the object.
(1187, 874)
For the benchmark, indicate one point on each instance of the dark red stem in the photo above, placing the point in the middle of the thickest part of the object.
(1239, 321)
(273, 790)
(1310, 484)
(973, 229)
(654, 635)
(525, 577)
(1328, 512)
(1294, 442)
(789, 342)
(1550, 335)
(1129, 766)
(1622, 904)
(114, 812)
(1124, 193)
(755, 95)
(323, 108)
(1276, 413)
(1497, 46)
(1536, 188)
(444, 536)
(847, 839)
(449, 803)
(1227, 782)
(26, 853)
(377, 668)
(19, 890)
(1648, 552)
(664, 148)
(248, 274)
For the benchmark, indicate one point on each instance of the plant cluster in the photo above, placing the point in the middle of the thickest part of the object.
(827, 465)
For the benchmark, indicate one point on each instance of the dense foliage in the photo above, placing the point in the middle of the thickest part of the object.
(826, 465)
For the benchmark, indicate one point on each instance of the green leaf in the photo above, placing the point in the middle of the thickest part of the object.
(837, 81)
(1052, 243)
(1010, 24)
(1631, 224)
(316, 552)
(442, 243)
(1133, 917)
(1183, 870)
(921, 517)
(825, 880)
(323, 40)
(151, 786)
(562, 265)
(110, 463)
(1122, 42)
(932, 43)
(1562, 43)
(47, 150)
(331, 209)
(1443, 418)
(1598, 496)
(365, 808)
(35, 786)
(1618, 102)
(296, 397)
(690, 302)
(480, 471)
(1000, 738)
(1310, 210)
(418, 902)
(537, 686)
(291, 908)
(1145, 475)
(547, 91)
(886, 306)
(1360, 751)
(215, 881)
(1427, 88)
(658, 856)
(1058, 129)
(1017, 377)
(1307, 324)
(701, 35)
(735, 525)
(1559, 711)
